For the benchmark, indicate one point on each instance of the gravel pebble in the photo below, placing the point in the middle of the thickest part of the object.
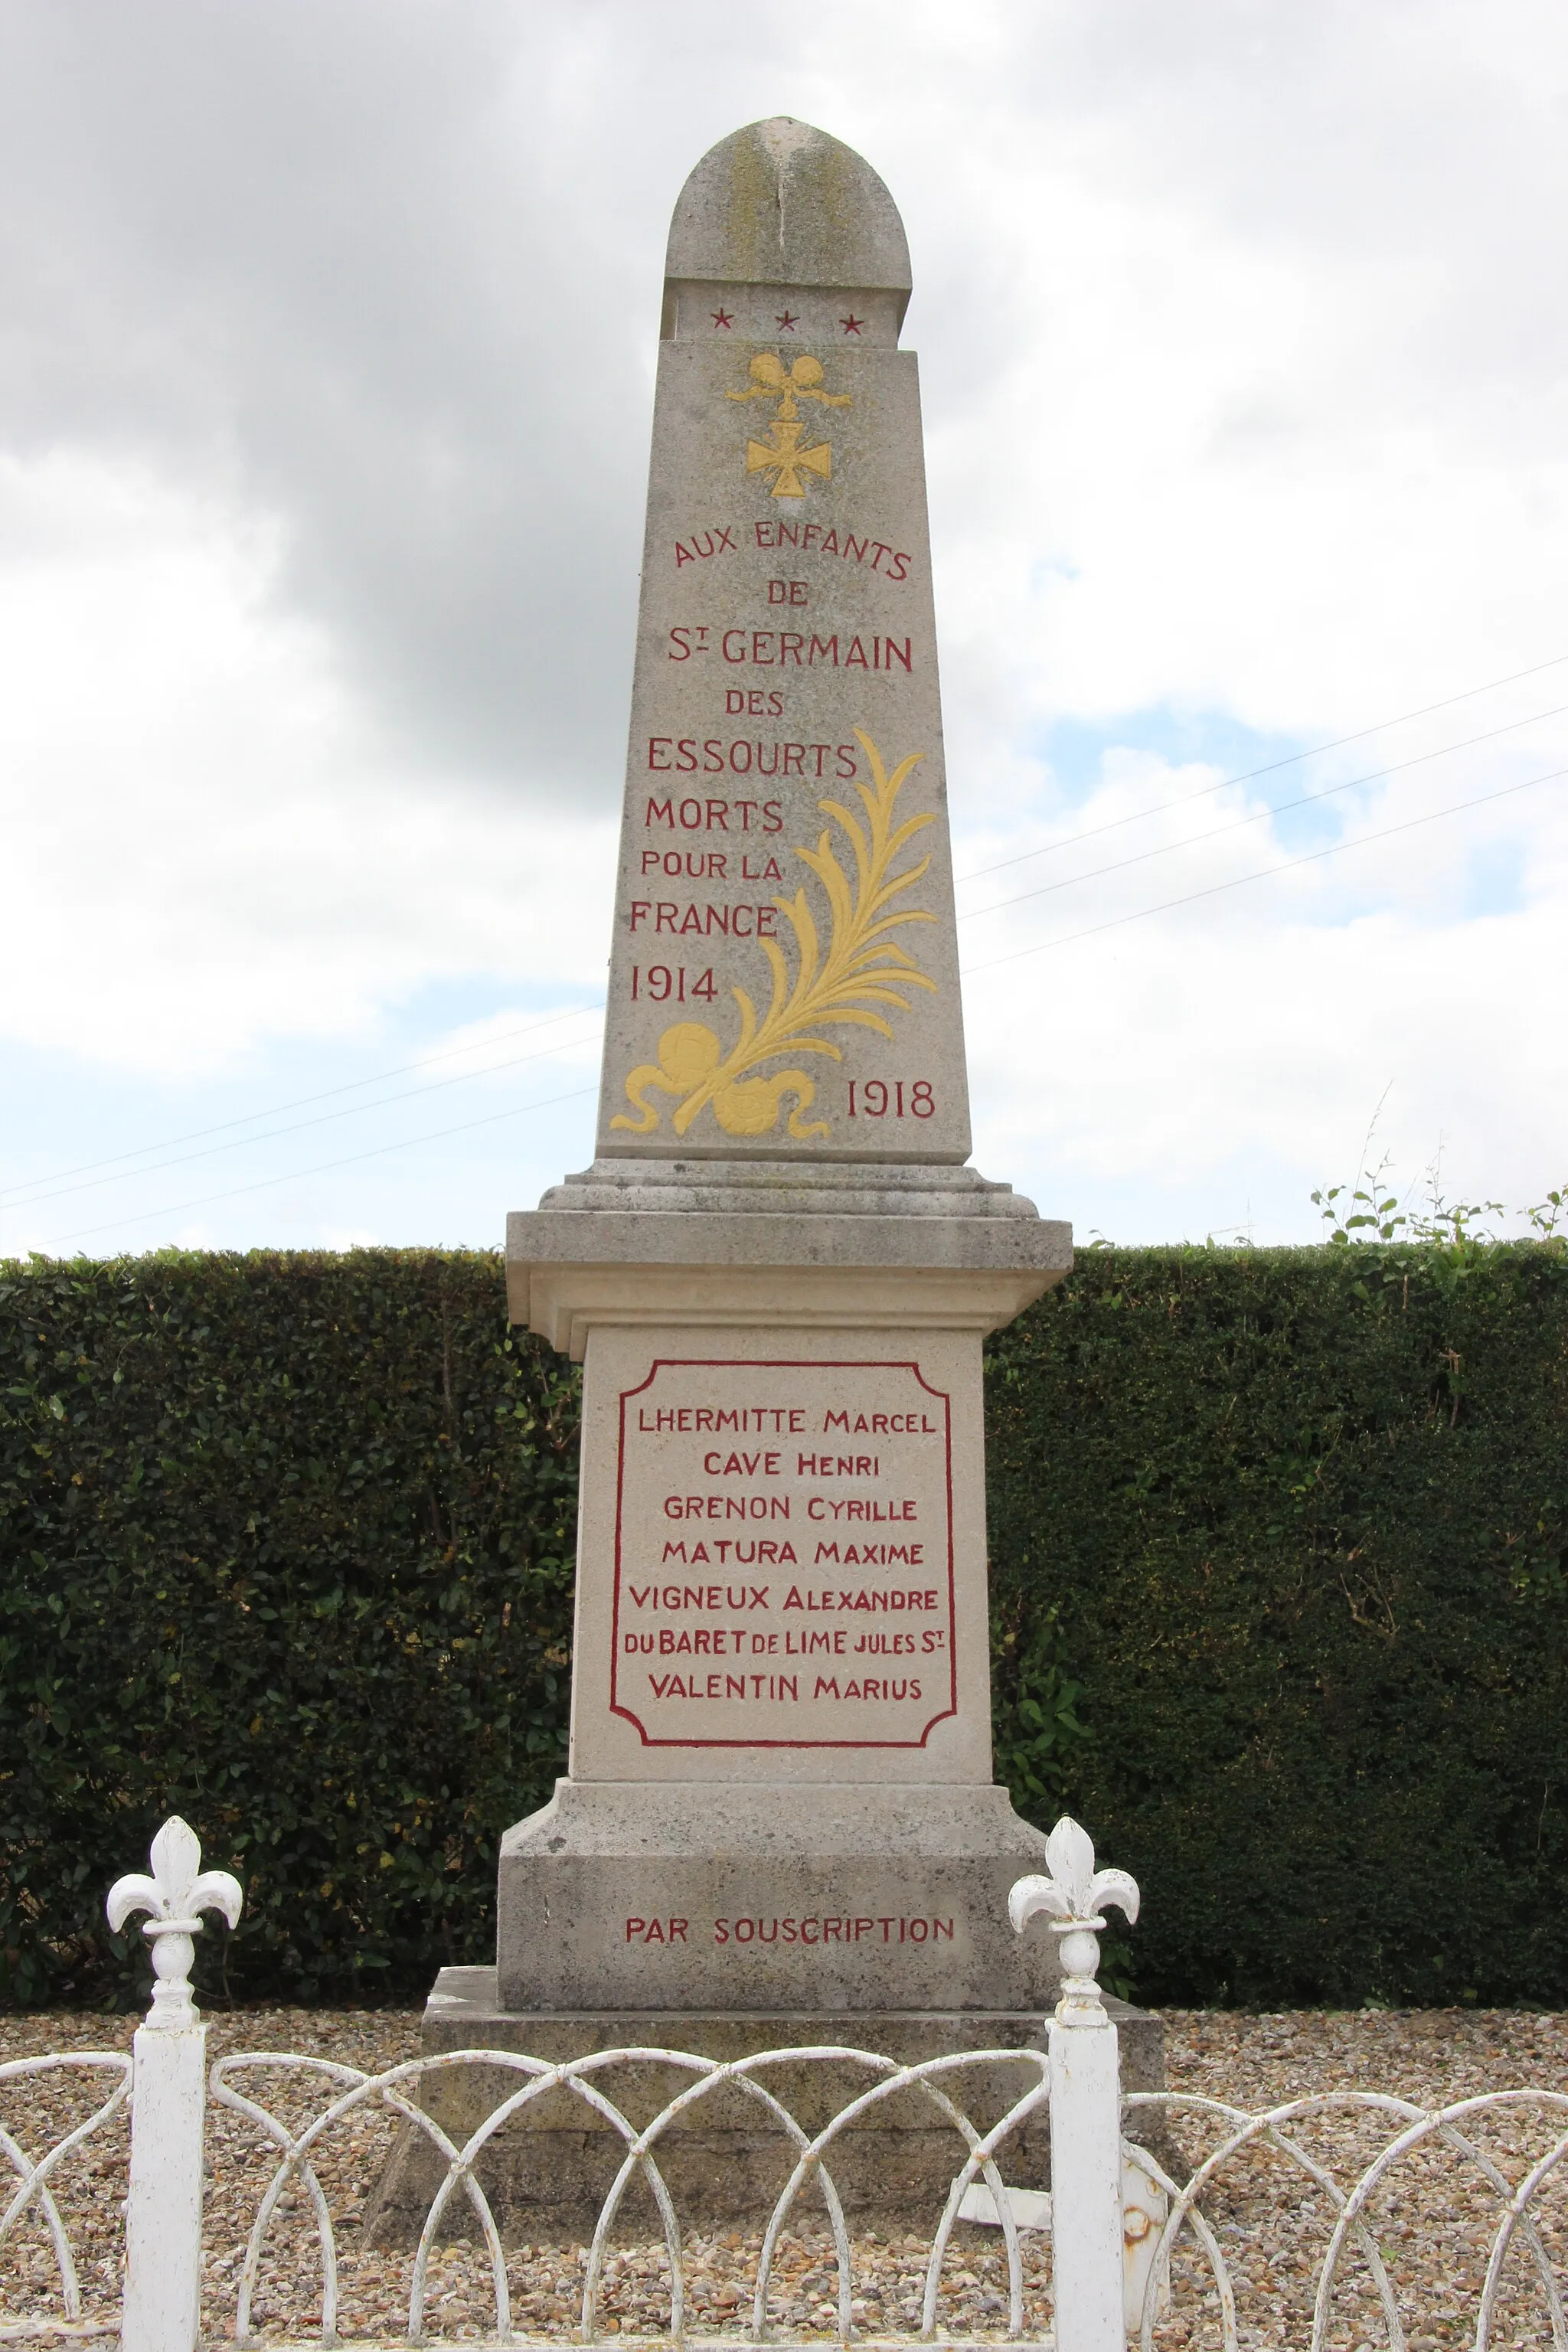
(1433, 2224)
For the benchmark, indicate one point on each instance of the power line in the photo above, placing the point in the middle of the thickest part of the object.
(1309, 858)
(300, 1102)
(10, 1195)
(297, 1175)
(1282, 808)
(26, 1194)
(1113, 824)
(1117, 922)
(322, 1118)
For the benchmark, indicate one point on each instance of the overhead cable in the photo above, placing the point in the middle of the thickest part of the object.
(1264, 874)
(300, 1102)
(1291, 760)
(1256, 817)
(322, 1118)
(297, 1175)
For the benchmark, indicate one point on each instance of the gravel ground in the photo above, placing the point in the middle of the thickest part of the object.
(1432, 2226)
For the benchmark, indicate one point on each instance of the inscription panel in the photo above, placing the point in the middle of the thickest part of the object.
(783, 972)
(813, 1930)
(784, 1556)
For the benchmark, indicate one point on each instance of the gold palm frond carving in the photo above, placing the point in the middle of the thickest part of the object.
(863, 967)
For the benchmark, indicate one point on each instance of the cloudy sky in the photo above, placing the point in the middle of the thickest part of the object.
(327, 332)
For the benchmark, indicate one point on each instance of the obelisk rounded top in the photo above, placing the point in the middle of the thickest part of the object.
(779, 204)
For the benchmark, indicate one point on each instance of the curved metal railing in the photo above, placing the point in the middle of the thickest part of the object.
(1169, 2229)
(1347, 2196)
(397, 2089)
(1421, 2128)
(34, 2187)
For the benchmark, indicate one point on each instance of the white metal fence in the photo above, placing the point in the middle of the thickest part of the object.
(1138, 2243)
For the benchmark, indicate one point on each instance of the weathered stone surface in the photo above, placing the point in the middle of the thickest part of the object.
(780, 1823)
(638, 1224)
(760, 1898)
(725, 2163)
(569, 1301)
(779, 1280)
(784, 977)
(779, 204)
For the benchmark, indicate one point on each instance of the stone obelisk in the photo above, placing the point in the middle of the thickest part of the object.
(779, 1824)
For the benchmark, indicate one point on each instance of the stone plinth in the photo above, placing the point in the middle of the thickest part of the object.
(757, 1898)
(725, 2163)
(726, 1244)
(780, 1795)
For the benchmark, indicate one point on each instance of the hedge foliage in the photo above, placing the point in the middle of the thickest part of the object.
(1279, 1575)
(285, 1545)
(1301, 1515)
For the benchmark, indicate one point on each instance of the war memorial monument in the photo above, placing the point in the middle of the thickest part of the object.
(779, 1824)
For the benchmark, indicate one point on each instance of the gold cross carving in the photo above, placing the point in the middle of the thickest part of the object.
(780, 454)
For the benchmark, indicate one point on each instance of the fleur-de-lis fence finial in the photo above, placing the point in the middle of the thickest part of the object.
(1073, 1895)
(177, 1892)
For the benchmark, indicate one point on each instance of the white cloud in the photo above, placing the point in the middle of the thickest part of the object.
(323, 402)
(1203, 1067)
(211, 846)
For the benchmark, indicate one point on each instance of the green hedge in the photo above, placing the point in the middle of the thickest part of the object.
(1280, 1576)
(1302, 1515)
(285, 1544)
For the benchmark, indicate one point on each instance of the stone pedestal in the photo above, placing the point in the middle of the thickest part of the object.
(779, 1827)
(724, 2163)
(780, 1794)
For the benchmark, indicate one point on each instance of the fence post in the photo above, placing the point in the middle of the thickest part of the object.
(1086, 2094)
(168, 2097)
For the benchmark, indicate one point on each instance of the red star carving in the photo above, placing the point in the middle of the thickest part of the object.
(786, 319)
(852, 325)
(722, 317)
